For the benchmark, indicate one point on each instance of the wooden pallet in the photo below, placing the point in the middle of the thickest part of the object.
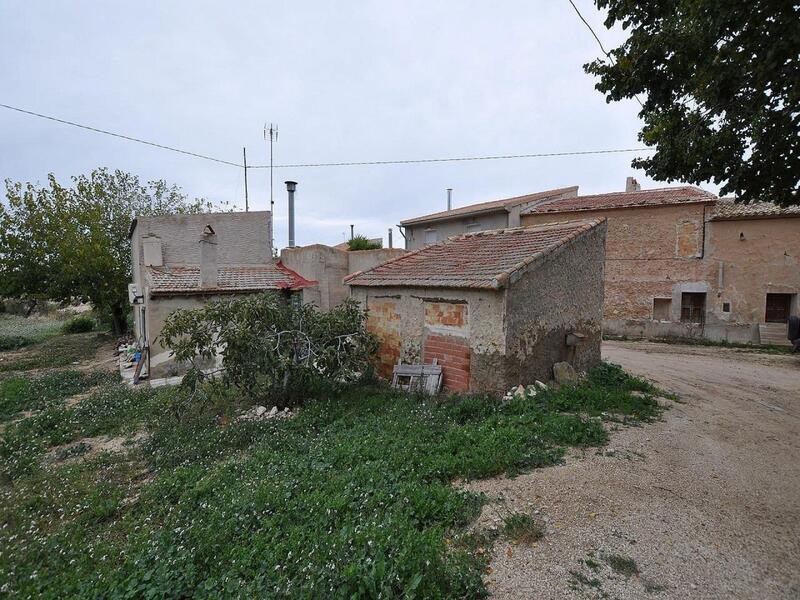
(426, 379)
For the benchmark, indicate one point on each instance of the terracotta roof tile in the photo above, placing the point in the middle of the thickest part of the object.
(484, 259)
(656, 197)
(727, 209)
(185, 279)
(494, 205)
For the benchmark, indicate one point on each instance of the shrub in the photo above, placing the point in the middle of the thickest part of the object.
(273, 349)
(13, 342)
(361, 242)
(79, 325)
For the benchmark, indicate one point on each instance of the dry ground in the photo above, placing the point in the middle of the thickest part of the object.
(706, 501)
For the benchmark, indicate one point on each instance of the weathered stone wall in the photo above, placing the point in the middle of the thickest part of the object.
(748, 259)
(643, 245)
(661, 252)
(462, 329)
(553, 297)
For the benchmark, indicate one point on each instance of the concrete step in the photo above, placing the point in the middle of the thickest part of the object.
(773, 334)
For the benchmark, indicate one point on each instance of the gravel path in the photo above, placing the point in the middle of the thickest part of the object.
(706, 502)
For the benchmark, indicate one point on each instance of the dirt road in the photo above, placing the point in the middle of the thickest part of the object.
(703, 504)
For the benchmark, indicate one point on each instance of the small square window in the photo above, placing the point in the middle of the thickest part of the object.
(430, 236)
(726, 307)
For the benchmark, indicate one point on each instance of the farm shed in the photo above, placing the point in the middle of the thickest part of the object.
(494, 308)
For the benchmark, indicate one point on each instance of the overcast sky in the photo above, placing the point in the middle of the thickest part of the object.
(344, 81)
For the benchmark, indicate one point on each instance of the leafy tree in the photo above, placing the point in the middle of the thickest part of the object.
(272, 348)
(721, 91)
(62, 243)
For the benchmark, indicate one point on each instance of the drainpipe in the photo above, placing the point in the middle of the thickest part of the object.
(291, 186)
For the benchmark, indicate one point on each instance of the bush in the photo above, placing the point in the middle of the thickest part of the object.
(13, 342)
(273, 349)
(361, 242)
(79, 325)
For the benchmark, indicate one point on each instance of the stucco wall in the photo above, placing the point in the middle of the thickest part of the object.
(415, 235)
(439, 322)
(242, 238)
(559, 295)
(329, 266)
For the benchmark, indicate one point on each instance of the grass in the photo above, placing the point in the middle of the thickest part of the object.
(17, 332)
(352, 498)
(54, 352)
(21, 392)
(522, 528)
(622, 565)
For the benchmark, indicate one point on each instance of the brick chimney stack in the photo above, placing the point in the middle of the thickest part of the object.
(631, 185)
(209, 270)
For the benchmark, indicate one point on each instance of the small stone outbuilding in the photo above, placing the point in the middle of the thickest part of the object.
(495, 308)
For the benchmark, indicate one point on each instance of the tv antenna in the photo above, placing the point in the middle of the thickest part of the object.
(271, 133)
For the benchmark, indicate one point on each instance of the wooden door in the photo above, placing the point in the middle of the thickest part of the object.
(778, 307)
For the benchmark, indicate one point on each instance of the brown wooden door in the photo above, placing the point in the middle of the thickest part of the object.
(778, 307)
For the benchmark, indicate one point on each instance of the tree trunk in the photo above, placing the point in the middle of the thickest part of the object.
(118, 320)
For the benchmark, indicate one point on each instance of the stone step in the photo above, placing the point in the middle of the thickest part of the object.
(773, 334)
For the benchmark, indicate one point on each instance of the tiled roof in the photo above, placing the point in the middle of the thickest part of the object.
(180, 280)
(656, 197)
(727, 209)
(484, 259)
(492, 206)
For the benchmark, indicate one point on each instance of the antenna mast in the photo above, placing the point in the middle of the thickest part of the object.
(272, 132)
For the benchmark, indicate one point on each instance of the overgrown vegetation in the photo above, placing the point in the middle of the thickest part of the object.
(352, 497)
(362, 242)
(55, 352)
(82, 324)
(17, 332)
(274, 350)
(522, 528)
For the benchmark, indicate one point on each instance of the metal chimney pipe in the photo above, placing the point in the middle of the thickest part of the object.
(351, 231)
(291, 186)
(390, 238)
(449, 198)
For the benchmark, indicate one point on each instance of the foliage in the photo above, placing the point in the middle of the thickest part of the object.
(721, 86)
(80, 324)
(350, 498)
(362, 242)
(63, 243)
(274, 349)
(26, 330)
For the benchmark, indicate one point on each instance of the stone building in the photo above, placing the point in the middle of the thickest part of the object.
(328, 266)
(183, 261)
(681, 262)
(497, 214)
(494, 308)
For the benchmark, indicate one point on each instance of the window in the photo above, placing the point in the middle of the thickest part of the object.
(726, 307)
(693, 307)
(430, 236)
(662, 309)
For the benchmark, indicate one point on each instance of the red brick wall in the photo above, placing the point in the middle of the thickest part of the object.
(452, 353)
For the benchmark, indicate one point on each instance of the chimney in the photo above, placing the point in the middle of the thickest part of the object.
(208, 258)
(631, 185)
(449, 198)
(390, 238)
(352, 228)
(291, 186)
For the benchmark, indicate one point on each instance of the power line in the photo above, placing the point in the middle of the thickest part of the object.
(328, 164)
(455, 159)
(119, 135)
(599, 43)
